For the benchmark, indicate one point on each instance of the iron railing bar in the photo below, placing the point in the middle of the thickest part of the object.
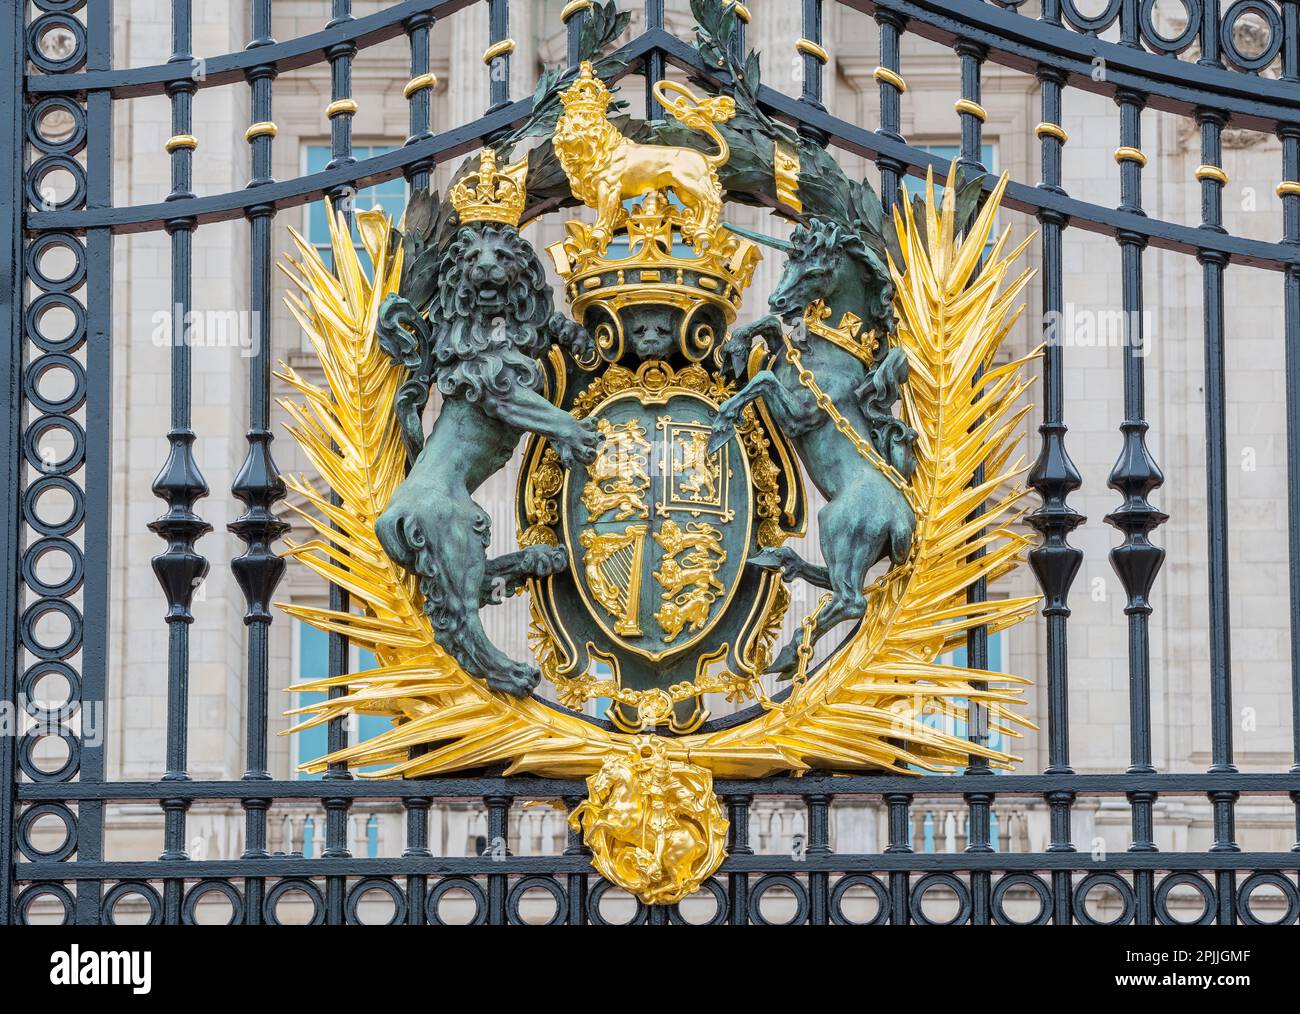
(545, 865)
(1023, 43)
(231, 68)
(180, 568)
(499, 65)
(96, 481)
(13, 18)
(419, 92)
(970, 114)
(575, 847)
(1135, 476)
(1016, 42)
(654, 61)
(813, 57)
(738, 807)
(1054, 477)
(258, 485)
(340, 111)
(870, 144)
(1216, 497)
(522, 787)
(891, 28)
(419, 96)
(1290, 138)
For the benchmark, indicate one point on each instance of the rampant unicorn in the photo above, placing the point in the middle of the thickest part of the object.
(831, 389)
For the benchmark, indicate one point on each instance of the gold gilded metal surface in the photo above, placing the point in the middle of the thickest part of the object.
(847, 334)
(613, 561)
(785, 170)
(690, 585)
(492, 194)
(652, 822)
(605, 168)
(618, 479)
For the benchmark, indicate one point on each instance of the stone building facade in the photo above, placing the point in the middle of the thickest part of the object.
(1090, 333)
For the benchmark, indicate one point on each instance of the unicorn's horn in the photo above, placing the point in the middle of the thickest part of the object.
(758, 237)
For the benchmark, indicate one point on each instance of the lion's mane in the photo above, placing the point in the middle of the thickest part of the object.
(583, 144)
(477, 355)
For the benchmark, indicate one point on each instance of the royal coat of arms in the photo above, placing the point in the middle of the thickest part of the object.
(665, 452)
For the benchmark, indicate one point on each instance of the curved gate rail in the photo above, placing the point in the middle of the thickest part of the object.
(60, 256)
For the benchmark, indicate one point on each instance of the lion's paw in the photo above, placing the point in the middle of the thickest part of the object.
(514, 678)
(543, 561)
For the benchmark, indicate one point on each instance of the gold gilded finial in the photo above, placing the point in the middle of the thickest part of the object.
(491, 194)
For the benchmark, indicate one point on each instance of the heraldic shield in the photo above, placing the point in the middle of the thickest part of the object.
(665, 447)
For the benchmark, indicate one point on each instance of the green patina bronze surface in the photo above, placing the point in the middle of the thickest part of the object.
(474, 317)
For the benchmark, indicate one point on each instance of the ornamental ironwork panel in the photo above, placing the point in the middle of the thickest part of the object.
(665, 453)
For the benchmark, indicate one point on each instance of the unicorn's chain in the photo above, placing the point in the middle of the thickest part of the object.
(863, 446)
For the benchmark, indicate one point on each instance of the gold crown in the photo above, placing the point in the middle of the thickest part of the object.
(587, 94)
(491, 194)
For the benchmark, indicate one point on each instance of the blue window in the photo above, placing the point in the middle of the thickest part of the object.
(916, 185)
(955, 725)
(313, 663)
(391, 196)
(948, 152)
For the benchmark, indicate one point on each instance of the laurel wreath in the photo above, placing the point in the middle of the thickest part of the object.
(877, 703)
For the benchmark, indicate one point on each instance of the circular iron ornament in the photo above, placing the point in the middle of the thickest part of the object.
(42, 168)
(76, 139)
(384, 886)
(1227, 26)
(1162, 43)
(40, 306)
(774, 880)
(594, 916)
(124, 890)
(63, 6)
(1092, 880)
(37, 611)
(526, 884)
(52, 22)
(57, 854)
(277, 892)
(1258, 880)
(60, 713)
(23, 903)
(32, 497)
(846, 884)
(1091, 23)
(1035, 884)
(955, 884)
(189, 907)
(721, 910)
(465, 884)
(32, 445)
(56, 239)
(41, 548)
(36, 372)
(1193, 880)
(27, 760)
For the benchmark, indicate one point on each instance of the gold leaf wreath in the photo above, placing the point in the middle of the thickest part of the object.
(873, 705)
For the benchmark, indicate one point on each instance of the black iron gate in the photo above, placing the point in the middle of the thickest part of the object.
(60, 254)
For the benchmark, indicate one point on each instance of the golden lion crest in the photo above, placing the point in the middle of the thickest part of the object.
(606, 168)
